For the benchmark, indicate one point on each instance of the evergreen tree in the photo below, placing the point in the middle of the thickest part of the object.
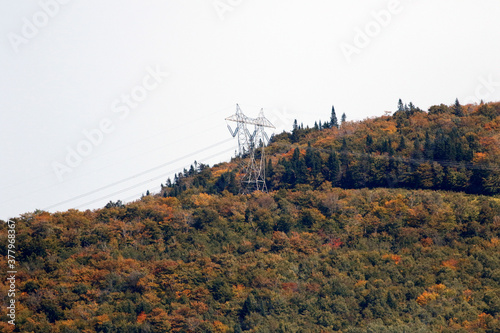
(192, 170)
(439, 150)
(390, 150)
(232, 186)
(295, 157)
(402, 143)
(313, 160)
(295, 132)
(369, 140)
(269, 168)
(332, 170)
(344, 158)
(450, 149)
(401, 106)
(428, 152)
(411, 107)
(457, 109)
(384, 148)
(417, 149)
(333, 119)
(298, 169)
(342, 120)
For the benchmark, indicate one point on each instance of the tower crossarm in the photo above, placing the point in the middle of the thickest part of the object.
(263, 121)
(254, 172)
(239, 117)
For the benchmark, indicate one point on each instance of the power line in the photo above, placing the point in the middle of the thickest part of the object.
(136, 175)
(115, 150)
(95, 170)
(360, 154)
(144, 182)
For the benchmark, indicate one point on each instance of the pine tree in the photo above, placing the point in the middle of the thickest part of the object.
(411, 107)
(332, 171)
(343, 147)
(417, 153)
(342, 120)
(295, 134)
(390, 150)
(439, 149)
(369, 140)
(313, 160)
(269, 168)
(457, 109)
(401, 106)
(295, 157)
(232, 186)
(299, 168)
(402, 143)
(333, 119)
(428, 147)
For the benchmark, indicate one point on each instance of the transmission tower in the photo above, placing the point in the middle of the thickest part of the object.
(241, 130)
(254, 172)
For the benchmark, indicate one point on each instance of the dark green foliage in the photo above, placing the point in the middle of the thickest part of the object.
(427, 156)
(226, 181)
(293, 260)
(439, 109)
(457, 109)
(305, 257)
(333, 119)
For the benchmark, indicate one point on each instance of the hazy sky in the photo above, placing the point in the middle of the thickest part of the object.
(103, 100)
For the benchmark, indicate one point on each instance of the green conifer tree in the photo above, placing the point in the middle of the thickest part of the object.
(457, 109)
(333, 119)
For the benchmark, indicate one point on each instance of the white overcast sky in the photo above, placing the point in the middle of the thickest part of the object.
(67, 68)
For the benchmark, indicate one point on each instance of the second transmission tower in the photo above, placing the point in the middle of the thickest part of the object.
(254, 172)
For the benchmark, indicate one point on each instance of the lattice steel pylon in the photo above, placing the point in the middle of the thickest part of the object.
(254, 172)
(241, 130)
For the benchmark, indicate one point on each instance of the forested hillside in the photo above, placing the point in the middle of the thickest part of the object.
(453, 148)
(390, 224)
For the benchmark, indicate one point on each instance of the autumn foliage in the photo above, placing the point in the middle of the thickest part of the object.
(355, 235)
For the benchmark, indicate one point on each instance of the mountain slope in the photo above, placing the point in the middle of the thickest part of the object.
(308, 256)
(442, 149)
